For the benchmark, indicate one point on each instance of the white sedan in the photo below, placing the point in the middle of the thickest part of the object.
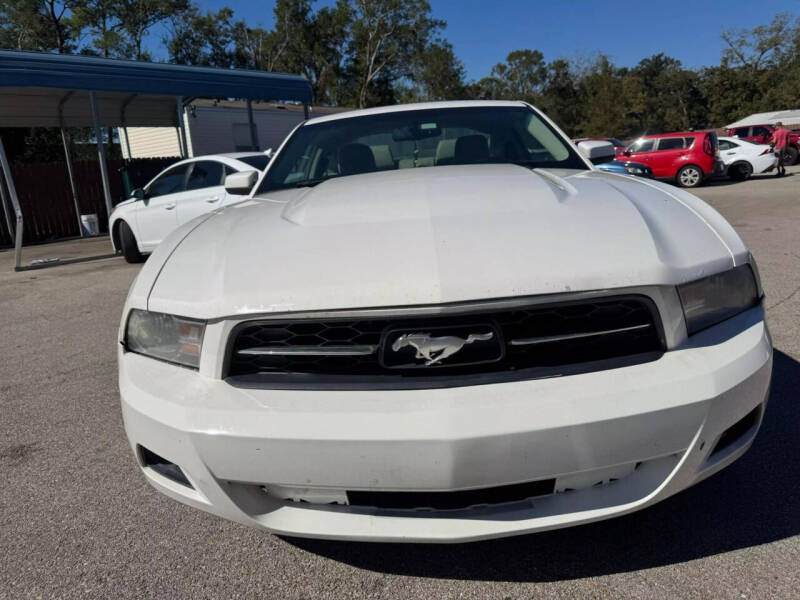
(743, 159)
(439, 323)
(178, 194)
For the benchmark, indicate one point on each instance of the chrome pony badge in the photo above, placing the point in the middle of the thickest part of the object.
(436, 349)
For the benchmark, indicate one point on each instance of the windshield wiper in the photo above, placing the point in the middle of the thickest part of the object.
(312, 182)
(308, 183)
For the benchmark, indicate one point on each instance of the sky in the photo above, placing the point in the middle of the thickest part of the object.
(483, 32)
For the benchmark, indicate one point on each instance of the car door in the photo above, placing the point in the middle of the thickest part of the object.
(743, 133)
(729, 151)
(641, 151)
(205, 190)
(668, 156)
(156, 217)
(760, 135)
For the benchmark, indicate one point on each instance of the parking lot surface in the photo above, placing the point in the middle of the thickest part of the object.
(77, 519)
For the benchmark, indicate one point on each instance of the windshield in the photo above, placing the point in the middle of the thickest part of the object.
(418, 138)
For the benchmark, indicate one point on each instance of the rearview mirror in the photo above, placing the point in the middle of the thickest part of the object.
(416, 131)
(597, 152)
(240, 184)
(138, 194)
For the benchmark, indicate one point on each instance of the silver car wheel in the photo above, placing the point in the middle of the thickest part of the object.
(689, 176)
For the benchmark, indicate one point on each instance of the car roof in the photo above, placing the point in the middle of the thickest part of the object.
(229, 158)
(676, 134)
(407, 107)
(736, 140)
(237, 154)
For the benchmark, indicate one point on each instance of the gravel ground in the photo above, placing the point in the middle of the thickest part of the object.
(78, 520)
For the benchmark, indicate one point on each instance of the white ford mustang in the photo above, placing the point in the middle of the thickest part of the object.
(439, 322)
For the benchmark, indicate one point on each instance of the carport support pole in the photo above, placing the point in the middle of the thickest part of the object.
(4, 201)
(127, 142)
(182, 128)
(12, 191)
(253, 130)
(68, 158)
(101, 153)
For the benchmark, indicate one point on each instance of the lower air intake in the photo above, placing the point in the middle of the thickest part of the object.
(452, 500)
(162, 466)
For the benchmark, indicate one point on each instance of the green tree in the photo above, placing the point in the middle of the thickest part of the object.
(328, 33)
(102, 20)
(560, 96)
(44, 25)
(437, 75)
(601, 91)
(139, 16)
(205, 39)
(387, 35)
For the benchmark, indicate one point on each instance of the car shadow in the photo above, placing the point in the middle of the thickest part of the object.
(754, 501)
(723, 181)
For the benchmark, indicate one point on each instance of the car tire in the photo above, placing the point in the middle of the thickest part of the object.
(689, 176)
(740, 171)
(791, 154)
(127, 240)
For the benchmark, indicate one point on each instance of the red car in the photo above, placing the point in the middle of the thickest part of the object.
(687, 158)
(762, 134)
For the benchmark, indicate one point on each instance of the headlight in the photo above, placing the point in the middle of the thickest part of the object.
(634, 170)
(165, 337)
(712, 299)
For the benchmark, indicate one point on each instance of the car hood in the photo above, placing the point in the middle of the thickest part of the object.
(441, 234)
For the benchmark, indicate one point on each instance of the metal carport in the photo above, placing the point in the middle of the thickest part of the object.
(58, 90)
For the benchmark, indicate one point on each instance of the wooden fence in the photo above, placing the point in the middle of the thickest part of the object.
(46, 200)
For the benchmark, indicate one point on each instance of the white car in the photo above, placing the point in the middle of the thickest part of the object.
(440, 323)
(177, 195)
(743, 158)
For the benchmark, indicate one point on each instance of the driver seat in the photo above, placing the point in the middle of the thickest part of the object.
(471, 149)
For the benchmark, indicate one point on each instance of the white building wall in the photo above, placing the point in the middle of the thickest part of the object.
(217, 129)
(150, 142)
(214, 130)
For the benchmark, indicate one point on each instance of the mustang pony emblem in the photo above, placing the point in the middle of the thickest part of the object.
(436, 349)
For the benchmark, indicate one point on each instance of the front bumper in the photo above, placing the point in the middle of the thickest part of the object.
(618, 440)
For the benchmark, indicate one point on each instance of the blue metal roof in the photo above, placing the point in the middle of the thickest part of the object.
(88, 73)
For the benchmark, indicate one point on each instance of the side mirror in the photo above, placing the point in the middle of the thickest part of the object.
(240, 184)
(597, 152)
(139, 194)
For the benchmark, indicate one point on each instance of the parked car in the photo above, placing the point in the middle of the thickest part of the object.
(619, 145)
(742, 159)
(439, 322)
(687, 158)
(627, 168)
(175, 196)
(762, 134)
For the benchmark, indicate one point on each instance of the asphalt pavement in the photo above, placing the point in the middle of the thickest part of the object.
(77, 519)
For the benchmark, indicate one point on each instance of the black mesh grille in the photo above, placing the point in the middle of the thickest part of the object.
(505, 353)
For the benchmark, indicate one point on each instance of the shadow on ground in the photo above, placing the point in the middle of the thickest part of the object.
(752, 502)
(726, 181)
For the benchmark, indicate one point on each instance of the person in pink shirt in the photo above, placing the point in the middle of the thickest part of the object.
(780, 141)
